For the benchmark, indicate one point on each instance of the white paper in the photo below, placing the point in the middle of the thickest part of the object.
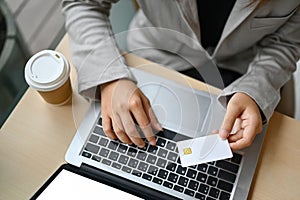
(68, 185)
(203, 149)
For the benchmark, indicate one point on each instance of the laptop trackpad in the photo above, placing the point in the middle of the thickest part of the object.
(181, 109)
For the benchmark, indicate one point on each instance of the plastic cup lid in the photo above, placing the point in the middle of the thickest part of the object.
(47, 70)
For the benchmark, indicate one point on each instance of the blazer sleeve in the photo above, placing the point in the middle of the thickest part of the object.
(94, 51)
(273, 65)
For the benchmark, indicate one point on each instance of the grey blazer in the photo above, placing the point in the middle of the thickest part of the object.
(261, 42)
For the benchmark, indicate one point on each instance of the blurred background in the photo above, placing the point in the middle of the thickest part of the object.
(28, 26)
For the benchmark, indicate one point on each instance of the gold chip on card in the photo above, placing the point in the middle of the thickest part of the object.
(187, 151)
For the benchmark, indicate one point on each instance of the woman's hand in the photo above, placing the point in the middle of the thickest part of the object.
(243, 119)
(122, 103)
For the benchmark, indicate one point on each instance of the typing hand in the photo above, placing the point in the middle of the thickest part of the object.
(243, 119)
(121, 100)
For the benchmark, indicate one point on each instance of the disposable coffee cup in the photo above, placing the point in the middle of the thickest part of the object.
(48, 72)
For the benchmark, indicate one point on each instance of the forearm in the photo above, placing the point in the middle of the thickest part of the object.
(95, 54)
(272, 67)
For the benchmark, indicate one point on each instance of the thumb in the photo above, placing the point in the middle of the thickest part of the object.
(232, 113)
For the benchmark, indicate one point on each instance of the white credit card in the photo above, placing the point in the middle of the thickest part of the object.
(203, 149)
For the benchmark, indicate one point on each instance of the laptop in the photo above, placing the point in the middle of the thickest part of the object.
(155, 172)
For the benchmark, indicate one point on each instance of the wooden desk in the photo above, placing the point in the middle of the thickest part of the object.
(34, 139)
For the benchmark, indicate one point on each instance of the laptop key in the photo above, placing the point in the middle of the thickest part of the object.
(212, 181)
(143, 166)
(237, 158)
(133, 163)
(126, 169)
(86, 154)
(94, 138)
(213, 192)
(96, 158)
(162, 153)
(152, 170)
(181, 170)
(162, 174)
(123, 159)
(113, 145)
(132, 152)
(104, 152)
(147, 177)
(106, 162)
(172, 156)
(145, 147)
(116, 165)
(189, 192)
(157, 180)
(224, 196)
(141, 155)
(201, 177)
(92, 148)
(212, 171)
(183, 181)
(113, 156)
(170, 135)
(227, 176)
(171, 166)
(203, 188)
(173, 177)
(161, 142)
(193, 185)
(168, 184)
(161, 163)
(151, 159)
(122, 148)
(191, 173)
(200, 196)
(103, 142)
(171, 146)
(227, 166)
(98, 130)
(223, 185)
(137, 173)
(178, 188)
(202, 167)
(152, 149)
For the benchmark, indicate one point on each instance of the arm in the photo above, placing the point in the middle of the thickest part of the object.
(102, 72)
(95, 54)
(275, 61)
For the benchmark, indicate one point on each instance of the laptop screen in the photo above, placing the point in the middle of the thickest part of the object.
(68, 185)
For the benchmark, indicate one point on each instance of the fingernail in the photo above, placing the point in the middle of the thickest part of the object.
(234, 130)
(223, 133)
(152, 142)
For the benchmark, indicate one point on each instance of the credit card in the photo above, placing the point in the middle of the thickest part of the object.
(203, 149)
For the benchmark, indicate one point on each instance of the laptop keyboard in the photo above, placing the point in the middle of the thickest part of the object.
(160, 164)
